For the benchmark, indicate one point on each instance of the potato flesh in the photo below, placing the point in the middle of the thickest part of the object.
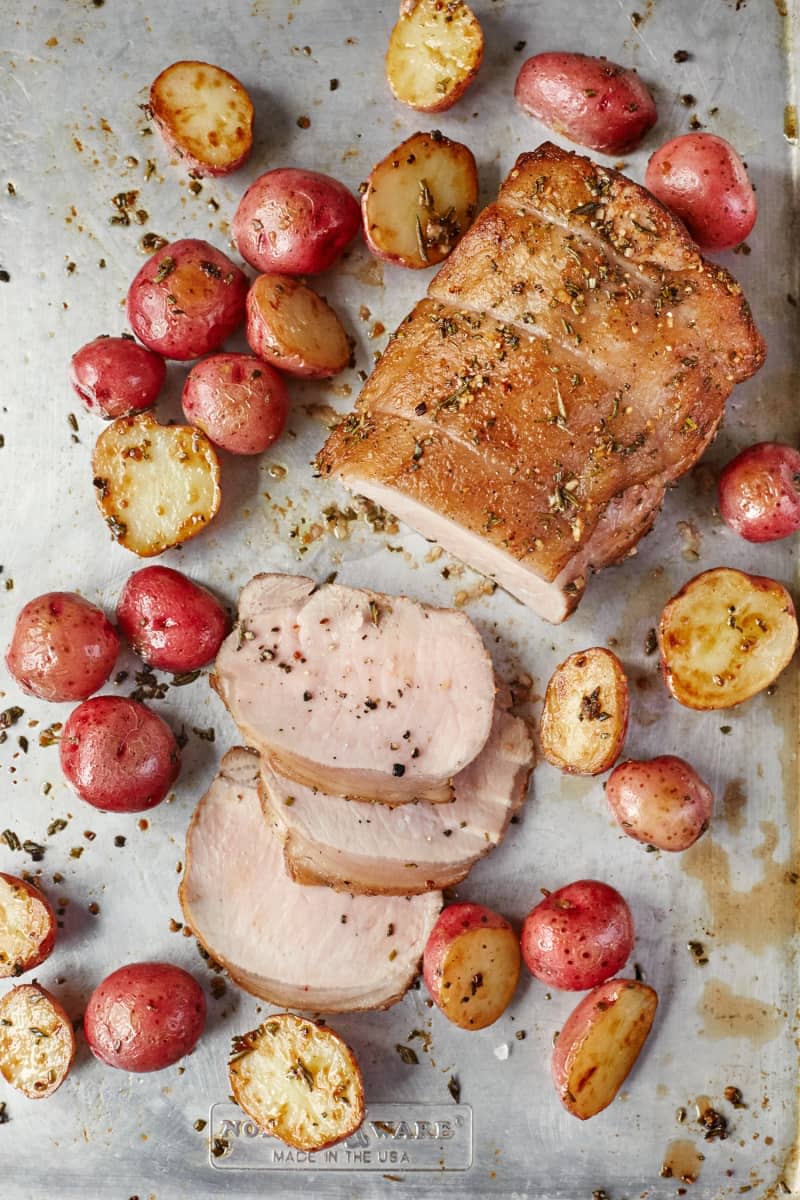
(300, 332)
(725, 637)
(434, 50)
(420, 200)
(604, 1057)
(37, 1044)
(24, 925)
(156, 485)
(298, 1081)
(585, 713)
(206, 113)
(480, 972)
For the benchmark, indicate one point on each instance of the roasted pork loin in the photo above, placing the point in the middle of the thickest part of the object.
(573, 357)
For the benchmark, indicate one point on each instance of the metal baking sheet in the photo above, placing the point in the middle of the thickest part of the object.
(74, 73)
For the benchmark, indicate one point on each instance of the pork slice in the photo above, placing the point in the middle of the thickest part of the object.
(412, 848)
(297, 947)
(359, 694)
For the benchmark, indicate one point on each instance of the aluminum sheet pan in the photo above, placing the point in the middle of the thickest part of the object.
(73, 75)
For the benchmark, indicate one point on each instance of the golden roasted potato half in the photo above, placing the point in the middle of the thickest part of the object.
(601, 1040)
(205, 114)
(37, 1044)
(435, 50)
(27, 926)
(724, 637)
(291, 327)
(298, 1081)
(420, 200)
(156, 485)
(585, 714)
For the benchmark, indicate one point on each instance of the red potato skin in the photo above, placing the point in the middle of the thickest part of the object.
(577, 937)
(295, 222)
(62, 647)
(451, 923)
(702, 179)
(759, 492)
(144, 1017)
(171, 622)
(238, 400)
(118, 755)
(45, 935)
(186, 299)
(589, 100)
(115, 377)
(662, 802)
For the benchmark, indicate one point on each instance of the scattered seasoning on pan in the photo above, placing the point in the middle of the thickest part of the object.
(651, 642)
(34, 849)
(119, 840)
(199, 1125)
(454, 1088)
(220, 1146)
(519, 47)
(681, 56)
(688, 99)
(698, 953)
(49, 736)
(600, 1194)
(304, 122)
(4, 276)
(11, 840)
(56, 826)
(150, 242)
(714, 1124)
(218, 987)
(76, 852)
(407, 1054)
(185, 677)
(680, 1115)
(734, 1096)
(638, 973)
(333, 85)
(10, 716)
(94, 908)
(205, 735)
(4, 1117)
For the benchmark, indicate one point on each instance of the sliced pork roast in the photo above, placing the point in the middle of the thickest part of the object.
(358, 694)
(573, 357)
(297, 947)
(411, 848)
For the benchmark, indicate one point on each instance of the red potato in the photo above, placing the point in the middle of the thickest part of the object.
(62, 647)
(118, 755)
(114, 376)
(662, 802)
(471, 965)
(295, 222)
(37, 1041)
(702, 179)
(759, 492)
(27, 926)
(145, 1016)
(589, 100)
(293, 328)
(171, 622)
(585, 713)
(435, 51)
(601, 1040)
(238, 401)
(186, 299)
(205, 114)
(578, 936)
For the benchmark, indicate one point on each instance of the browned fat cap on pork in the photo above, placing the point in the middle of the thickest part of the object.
(358, 694)
(573, 357)
(295, 946)
(412, 847)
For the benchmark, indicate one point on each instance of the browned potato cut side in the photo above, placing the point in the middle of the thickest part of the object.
(27, 926)
(420, 200)
(434, 53)
(725, 637)
(480, 971)
(585, 714)
(37, 1044)
(156, 485)
(295, 329)
(599, 1044)
(205, 114)
(298, 1081)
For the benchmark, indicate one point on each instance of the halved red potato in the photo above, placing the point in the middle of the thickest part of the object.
(601, 1040)
(293, 328)
(37, 1043)
(471, 965)
(725, 637)
(585, 714)
(156, 485)
(298, 1081)
(435, 50)
(205, 114)
(420, 200)
(27, 926)
(662, 802)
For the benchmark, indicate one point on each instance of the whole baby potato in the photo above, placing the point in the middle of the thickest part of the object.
(589, 100)
(662, 802)
(186, 299)
(115, 376)
(238, 401)
(295, 222)
(702, 179)
(759, 492)
(171, 622)
(62, 647)
(145, 1016)
(118, 755)
(578, 936)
